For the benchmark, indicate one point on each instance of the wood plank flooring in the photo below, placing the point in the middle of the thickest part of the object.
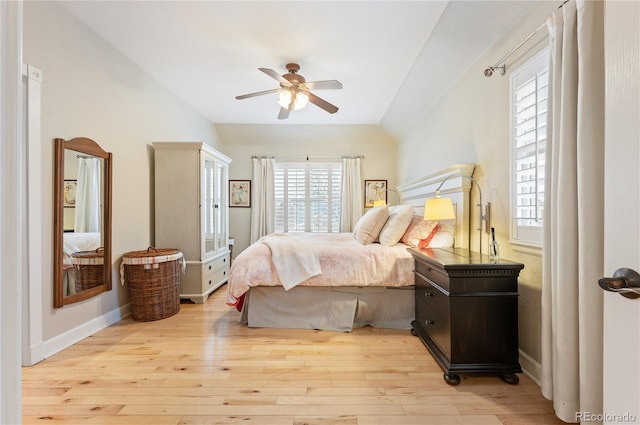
(202, 366)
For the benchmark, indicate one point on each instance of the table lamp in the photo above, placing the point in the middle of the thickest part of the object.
(442, 208)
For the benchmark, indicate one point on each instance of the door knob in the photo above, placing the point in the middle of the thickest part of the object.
(626, 282)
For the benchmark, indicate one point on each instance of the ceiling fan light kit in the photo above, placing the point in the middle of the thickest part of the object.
(294, 92)
(293, 99)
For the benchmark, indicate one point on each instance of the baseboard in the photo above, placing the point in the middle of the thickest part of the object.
(35, 355)
(530, 367)
(70, 337)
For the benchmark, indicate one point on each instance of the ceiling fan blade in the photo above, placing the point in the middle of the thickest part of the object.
(323, 85)
(271, 73)
(260, 93)
(321, 103)
(284, 114)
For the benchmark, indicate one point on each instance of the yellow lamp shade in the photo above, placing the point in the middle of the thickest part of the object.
(436, 209)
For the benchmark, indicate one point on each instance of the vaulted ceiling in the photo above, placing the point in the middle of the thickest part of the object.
(394, 58)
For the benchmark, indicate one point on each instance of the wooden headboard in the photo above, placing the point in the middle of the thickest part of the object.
(457, 188)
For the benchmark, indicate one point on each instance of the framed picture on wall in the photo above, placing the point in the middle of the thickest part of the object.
(69, 192)
(240, 193)
(374, 190)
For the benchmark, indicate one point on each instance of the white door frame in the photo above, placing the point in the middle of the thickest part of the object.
(621, 368)
(32, 333)
(12, 207)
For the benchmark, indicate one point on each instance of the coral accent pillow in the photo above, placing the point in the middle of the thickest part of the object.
(399, 219)
(369, 226)
(423, 243)
(445, 237)
(419, 229)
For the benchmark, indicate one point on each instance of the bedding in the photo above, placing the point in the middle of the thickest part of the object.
(74, 242)
(335, 281)
(343, 260)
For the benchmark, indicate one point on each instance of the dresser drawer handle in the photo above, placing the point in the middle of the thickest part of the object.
(209, 267)
(224, 272)
(209, 282)
(224, 260)
(428, 294)
(429, 322)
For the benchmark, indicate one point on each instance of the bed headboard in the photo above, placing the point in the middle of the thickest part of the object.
(456, 188)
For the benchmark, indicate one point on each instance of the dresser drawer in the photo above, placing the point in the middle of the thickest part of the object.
(434, 319)
(433, 313)
(433, 274)
(431, 295)
(214, 278)
(215, 272)
(215, 265)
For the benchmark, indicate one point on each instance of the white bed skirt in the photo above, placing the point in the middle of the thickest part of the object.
(329, 308)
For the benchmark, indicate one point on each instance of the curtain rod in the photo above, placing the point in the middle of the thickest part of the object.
(307, 157)
(502, 68)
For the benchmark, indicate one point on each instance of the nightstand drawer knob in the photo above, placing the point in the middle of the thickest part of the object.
(429, 322)
(428, 294)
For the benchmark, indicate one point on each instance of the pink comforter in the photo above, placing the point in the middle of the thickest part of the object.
(343, 260)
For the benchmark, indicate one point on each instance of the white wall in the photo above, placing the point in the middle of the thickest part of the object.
(91, 90)
(242, 141)
(471, 124)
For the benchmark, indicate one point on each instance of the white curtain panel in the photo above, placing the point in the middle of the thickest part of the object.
(262, 198)
(573, 255)
(87, 214)
(351, 199)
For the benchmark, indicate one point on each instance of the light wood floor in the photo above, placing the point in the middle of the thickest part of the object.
(202, 367)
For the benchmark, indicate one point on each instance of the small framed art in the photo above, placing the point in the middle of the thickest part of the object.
(240, 193)
(374, 190)
(70, 187)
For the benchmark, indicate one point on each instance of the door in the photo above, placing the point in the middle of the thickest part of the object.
(208, 206)
(622, 209)
(221, 206)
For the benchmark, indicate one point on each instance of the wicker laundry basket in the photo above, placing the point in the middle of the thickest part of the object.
(88, 269)
(153, 279)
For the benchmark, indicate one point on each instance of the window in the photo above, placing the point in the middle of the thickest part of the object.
(307, 196)
(529, 93)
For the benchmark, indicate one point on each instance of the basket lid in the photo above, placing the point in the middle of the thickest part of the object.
(88, 257)
(151, 256)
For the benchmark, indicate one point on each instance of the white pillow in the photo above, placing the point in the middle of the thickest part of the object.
(399, 218)
(368, 227)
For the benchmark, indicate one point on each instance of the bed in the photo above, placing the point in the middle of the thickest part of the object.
(342, 281)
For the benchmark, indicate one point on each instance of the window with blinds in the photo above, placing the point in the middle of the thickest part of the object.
(307, 196)
(529, 93)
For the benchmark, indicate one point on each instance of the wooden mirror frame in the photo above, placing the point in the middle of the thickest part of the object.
(87, 146)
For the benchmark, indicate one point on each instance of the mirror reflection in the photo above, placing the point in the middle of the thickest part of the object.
(82, 251)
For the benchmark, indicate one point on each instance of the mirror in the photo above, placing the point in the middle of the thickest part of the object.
(82, 221)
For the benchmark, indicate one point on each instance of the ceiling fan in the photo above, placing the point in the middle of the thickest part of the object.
(294, 91)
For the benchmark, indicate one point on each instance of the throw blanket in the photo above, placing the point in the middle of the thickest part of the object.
(294, 261)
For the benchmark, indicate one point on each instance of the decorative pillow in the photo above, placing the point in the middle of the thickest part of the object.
(415, 220)
(368, 227)
(444, 237)
(399, 218)
(430, 233)
(422, 230)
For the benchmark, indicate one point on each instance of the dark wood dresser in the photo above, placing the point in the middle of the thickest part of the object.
(467, 312)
